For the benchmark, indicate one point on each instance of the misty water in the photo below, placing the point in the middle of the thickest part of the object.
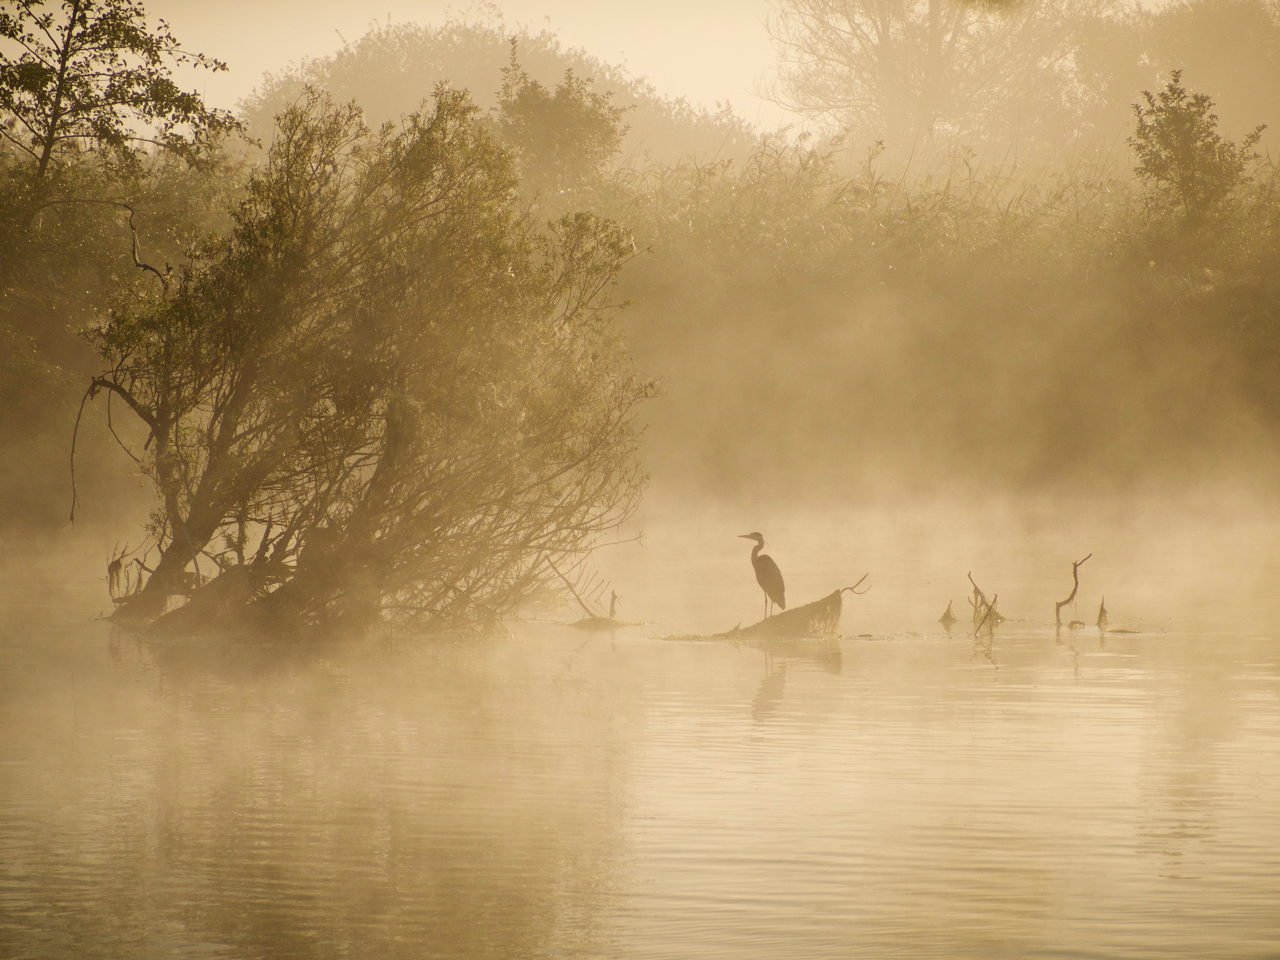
(902, 791)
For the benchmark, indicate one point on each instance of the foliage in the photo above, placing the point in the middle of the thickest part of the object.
(87, 71)
(1180, 150)
(74, 160)
(562, 138)
(96, 140)
(385, 393)
(77, 245)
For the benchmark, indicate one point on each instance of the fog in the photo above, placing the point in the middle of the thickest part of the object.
(715, 52)
(385, 414)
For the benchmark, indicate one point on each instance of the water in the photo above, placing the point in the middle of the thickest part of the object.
(556, 794)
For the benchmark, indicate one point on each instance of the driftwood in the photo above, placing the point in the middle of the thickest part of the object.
(818, 619)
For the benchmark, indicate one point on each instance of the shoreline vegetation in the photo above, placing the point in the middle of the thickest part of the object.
(403, 370)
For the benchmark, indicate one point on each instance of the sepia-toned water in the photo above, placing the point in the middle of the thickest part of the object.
(903, 791)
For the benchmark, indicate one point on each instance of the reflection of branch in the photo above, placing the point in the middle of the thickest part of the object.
(1075, 577)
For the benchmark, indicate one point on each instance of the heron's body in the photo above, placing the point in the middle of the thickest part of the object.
(767, 574)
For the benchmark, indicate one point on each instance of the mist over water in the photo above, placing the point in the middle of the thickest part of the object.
(904, 790)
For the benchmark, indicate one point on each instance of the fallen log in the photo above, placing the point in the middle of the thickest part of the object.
(818, 619)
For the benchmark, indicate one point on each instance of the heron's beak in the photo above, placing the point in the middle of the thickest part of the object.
(743, 536)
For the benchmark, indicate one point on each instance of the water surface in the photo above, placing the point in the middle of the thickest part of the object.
(552, 793)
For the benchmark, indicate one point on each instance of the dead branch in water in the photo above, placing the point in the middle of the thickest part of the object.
(991, 608)
(984, 611)
(948, 618)
(1075, 579)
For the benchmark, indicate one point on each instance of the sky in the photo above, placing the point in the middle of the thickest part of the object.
(709, 51)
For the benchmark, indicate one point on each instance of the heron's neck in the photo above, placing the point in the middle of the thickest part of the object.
(755, 551)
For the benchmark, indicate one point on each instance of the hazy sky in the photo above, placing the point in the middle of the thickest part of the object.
(708, 50)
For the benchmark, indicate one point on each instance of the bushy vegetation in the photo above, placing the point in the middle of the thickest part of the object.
(385, 392)
(1181, 152)
(821, 331)
(363, 382)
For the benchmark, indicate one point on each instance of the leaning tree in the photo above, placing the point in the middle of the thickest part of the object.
(387, 393)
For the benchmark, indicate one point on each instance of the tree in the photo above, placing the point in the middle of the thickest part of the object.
(1180, 151)
(907, 71)
(87, 71)
(563, 138)
(386, 393)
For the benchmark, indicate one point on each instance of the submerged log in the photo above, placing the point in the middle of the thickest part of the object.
(818, 619)
(593, 622)
(599, 623)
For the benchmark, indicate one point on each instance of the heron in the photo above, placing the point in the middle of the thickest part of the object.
(767, 574)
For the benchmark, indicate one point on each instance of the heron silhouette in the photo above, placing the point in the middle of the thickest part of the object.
(767, 574)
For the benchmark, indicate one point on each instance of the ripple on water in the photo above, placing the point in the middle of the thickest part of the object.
(542, 794)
